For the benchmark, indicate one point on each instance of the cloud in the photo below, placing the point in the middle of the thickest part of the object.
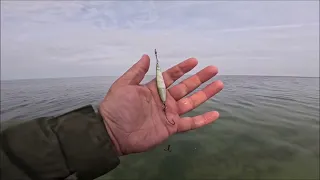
(71, 38)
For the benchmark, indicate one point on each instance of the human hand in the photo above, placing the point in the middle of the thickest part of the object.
(133, 113)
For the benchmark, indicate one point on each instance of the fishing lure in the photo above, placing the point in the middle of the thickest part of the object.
(161, 86)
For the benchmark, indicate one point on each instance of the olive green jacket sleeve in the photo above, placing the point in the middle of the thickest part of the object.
(74, 145)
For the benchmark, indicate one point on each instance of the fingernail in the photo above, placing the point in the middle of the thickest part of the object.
(143, 56)
(216, 113)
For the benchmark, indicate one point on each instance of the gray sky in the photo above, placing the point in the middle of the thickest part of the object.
(69, 39)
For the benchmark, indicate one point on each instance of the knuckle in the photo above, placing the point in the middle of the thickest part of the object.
(177, 73)
(184, 89)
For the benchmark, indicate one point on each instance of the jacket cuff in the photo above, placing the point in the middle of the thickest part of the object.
(85, 143)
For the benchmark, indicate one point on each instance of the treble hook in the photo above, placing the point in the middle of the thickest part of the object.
(168, 149)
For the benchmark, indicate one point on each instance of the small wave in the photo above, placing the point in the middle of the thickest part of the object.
(14, 107)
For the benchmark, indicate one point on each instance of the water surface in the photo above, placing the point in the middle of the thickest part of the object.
(268, 129)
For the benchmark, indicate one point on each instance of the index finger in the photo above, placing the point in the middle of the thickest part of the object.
(177, 71)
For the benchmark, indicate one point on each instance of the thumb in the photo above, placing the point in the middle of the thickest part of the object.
(136, 73)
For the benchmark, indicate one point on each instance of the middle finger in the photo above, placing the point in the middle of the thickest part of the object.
(187, 86)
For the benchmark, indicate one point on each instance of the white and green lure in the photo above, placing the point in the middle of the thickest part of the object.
(162, 90)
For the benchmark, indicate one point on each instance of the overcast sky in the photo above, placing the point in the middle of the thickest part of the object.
(70, 39)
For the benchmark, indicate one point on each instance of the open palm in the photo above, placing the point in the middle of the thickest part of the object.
(133, 113)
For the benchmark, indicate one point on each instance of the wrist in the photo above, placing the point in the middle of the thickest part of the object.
(114, 142)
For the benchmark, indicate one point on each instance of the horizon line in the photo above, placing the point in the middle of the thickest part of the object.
(252, 75)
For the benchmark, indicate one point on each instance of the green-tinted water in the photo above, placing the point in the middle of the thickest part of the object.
(268, 128)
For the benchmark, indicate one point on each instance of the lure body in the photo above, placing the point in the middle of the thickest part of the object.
(160, 85)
